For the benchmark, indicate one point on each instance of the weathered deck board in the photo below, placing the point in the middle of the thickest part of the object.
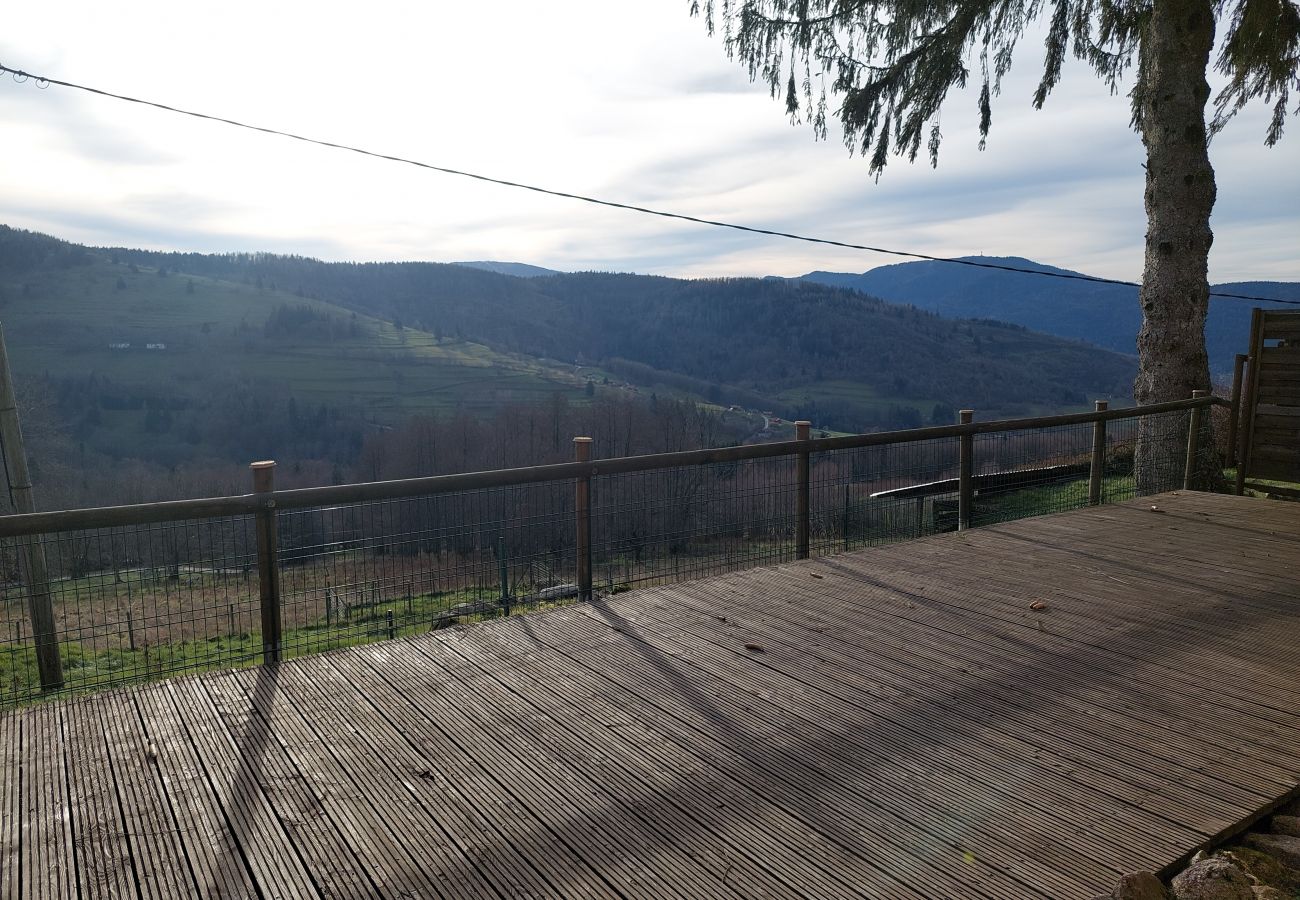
(893, 722)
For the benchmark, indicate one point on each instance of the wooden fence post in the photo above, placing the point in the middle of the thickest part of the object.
(802, 431)
(1193, 443)
(33, 568)
(1234, 413)
(268, 564)
(1098, 470)
(504, 573)
(965, 480)
(582, 516)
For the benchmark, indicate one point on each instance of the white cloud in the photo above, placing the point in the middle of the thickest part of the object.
(629, 101)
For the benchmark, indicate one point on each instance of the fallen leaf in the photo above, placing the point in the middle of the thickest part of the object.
(1038, 604)
(815, 575)
(754, 648)
(1156, 509)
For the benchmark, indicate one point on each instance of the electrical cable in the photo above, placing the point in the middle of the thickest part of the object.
(44, 82)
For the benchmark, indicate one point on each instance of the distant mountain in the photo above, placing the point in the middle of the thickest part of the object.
(1103, 314)
(519, 270)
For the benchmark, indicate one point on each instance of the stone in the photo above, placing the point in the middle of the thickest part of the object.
(1285, 825)
(1213, 879)
(1284, 848)
(1264, 869)
(1139, 886)
(1264, 892)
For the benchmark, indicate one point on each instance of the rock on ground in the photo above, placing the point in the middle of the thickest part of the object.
(1139, 886)
(1213, 879)
(1284, 848)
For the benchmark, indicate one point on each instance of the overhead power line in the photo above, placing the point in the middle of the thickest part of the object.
(42, 81)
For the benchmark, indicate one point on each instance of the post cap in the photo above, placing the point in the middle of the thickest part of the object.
(1102, 405)
(1200, 393)
(263, 464)
(582, 440)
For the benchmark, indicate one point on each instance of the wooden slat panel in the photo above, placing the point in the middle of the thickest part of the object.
(1276, 470)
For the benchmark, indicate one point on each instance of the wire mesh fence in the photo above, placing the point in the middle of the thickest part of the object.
(692, 521)
(133, 602)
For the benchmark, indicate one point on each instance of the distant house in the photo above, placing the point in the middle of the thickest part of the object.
(155, 346)
(119, 346)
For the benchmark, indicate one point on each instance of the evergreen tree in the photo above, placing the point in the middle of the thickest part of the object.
(889, 64)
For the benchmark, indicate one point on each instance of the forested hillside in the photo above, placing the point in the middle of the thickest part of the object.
(200, 363)
(844, 360)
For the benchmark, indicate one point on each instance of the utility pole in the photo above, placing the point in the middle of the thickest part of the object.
(35, 573)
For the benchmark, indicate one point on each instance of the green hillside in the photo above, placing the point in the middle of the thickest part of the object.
(85, 323)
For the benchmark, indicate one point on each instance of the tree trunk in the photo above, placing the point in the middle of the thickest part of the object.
(1180, 195)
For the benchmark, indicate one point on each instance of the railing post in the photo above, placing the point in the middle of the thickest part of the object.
(965, 481)
(1234, 413)
(268, 563)
(33, 568)
(1098, 470)
(582, 516)
(1193, 442)
(504, 573)
(802, 430)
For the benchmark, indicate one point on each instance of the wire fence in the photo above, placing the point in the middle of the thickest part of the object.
(131, 600)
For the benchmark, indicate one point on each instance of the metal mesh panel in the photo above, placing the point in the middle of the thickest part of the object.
(688, 522)
(134, 603)
(350, 574)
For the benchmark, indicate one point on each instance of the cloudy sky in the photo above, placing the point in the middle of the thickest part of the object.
(628, 100)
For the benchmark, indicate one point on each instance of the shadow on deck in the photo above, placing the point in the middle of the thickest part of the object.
(1024, 710)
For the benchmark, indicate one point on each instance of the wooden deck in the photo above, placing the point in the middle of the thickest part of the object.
(898, 722)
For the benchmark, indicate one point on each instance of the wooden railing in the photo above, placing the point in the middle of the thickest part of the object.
(264, 502)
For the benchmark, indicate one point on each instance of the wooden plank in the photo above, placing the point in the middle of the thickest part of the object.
(1075, 620)
(627, 850)
(906, 657)
(1278, 470)
(687, 801)
(445, 770)
(471, 858)
(49, 862)
(861, 793)
(839, 767)
(721, 771)
(162, 866)
(327, 856)
(105, 867)
(1037, 793)
(394, 866)
(214, 854)
(12, 818)
(233, 772)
